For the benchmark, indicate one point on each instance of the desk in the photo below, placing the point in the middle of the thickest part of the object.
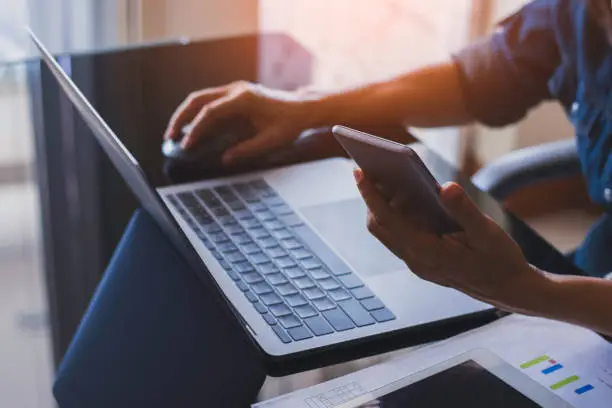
(85, 204)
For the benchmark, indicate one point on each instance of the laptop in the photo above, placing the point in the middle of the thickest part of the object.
(288, 249)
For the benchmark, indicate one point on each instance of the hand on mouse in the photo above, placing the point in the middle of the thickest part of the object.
(481, 261)
(278, 117)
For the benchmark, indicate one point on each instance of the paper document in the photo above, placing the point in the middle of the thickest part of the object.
(571, 362)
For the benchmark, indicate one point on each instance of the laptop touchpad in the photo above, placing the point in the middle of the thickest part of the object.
(343, 225)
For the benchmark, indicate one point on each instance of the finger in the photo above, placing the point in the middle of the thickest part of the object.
(217, 110)
(190, 107)
(378, 205)
(464, 211)
(386, 237)
(266, 141)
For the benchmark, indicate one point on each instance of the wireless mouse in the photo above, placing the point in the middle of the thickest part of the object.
(209, 147)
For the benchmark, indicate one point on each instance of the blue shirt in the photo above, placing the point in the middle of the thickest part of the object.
(549, 50)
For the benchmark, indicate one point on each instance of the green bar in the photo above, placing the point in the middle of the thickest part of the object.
(563, 383)
(534, 362)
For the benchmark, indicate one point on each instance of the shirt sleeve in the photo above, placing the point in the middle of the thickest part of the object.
(507, 73)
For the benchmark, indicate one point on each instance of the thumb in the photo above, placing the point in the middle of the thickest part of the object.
(461, 207)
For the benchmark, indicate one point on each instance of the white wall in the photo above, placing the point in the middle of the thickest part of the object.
(357, 41)
(197, 18)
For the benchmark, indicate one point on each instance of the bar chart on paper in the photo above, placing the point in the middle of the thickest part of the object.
(564, 378)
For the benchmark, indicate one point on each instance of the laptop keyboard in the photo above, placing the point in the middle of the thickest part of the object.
(290, 276)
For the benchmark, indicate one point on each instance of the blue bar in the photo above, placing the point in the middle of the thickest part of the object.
(552, 369)
(584, 389)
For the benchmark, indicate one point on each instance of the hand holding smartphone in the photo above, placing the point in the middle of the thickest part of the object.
(402, 177)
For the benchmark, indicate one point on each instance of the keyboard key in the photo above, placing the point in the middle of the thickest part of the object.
(242, 286)
(281, 209)
(259, 258)
(280, 310)
(227, 220)
(212, 229)
(244, 214)
(356, 312)
(252, 223)
(314, 293)
(323, 304)
(328, 284)
(276, 279)
(274, 201)
(299, 333)
(295, 300)
(362, 293)
(233, 275)
(351, 281)
(236, 205)
(219, 210)
(310, 263)
(277, 252)
(257, 206)
(383, 315)
(271, 299)
(282, 335)
(251, 296)
(224, 191)
(227, 247)
(219, 238)
(268, 268)
(259, 233)
(235, 229)
(281, 234)
(290, 321)
(305, 311)
(268, 242)
(321, 250)
(318, 326)
(242, 239)
(319, 273)
(236, 257)
(291, 220)
(225, 265)
(339, 294)
(252, 278)
(262, 288)
(268, 318)
(265, 216)
(301, 253)
(285, 262)
(251, 248)
(244, 267)
(291, 243)
(273, 225)
(206, 195)
(294, 272)
(372, 304)
(338, 319)
(217, 254)
(304, 283)
(209, 245)
(286, 289)
(260, 308)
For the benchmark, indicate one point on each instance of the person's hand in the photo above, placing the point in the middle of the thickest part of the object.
(278, 117)
(481, 261)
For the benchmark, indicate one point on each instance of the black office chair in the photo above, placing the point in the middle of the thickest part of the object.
(529, 166)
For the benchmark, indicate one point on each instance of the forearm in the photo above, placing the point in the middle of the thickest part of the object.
(578, 300)
(428, 97)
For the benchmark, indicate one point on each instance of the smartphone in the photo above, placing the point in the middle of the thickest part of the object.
(400, 174)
